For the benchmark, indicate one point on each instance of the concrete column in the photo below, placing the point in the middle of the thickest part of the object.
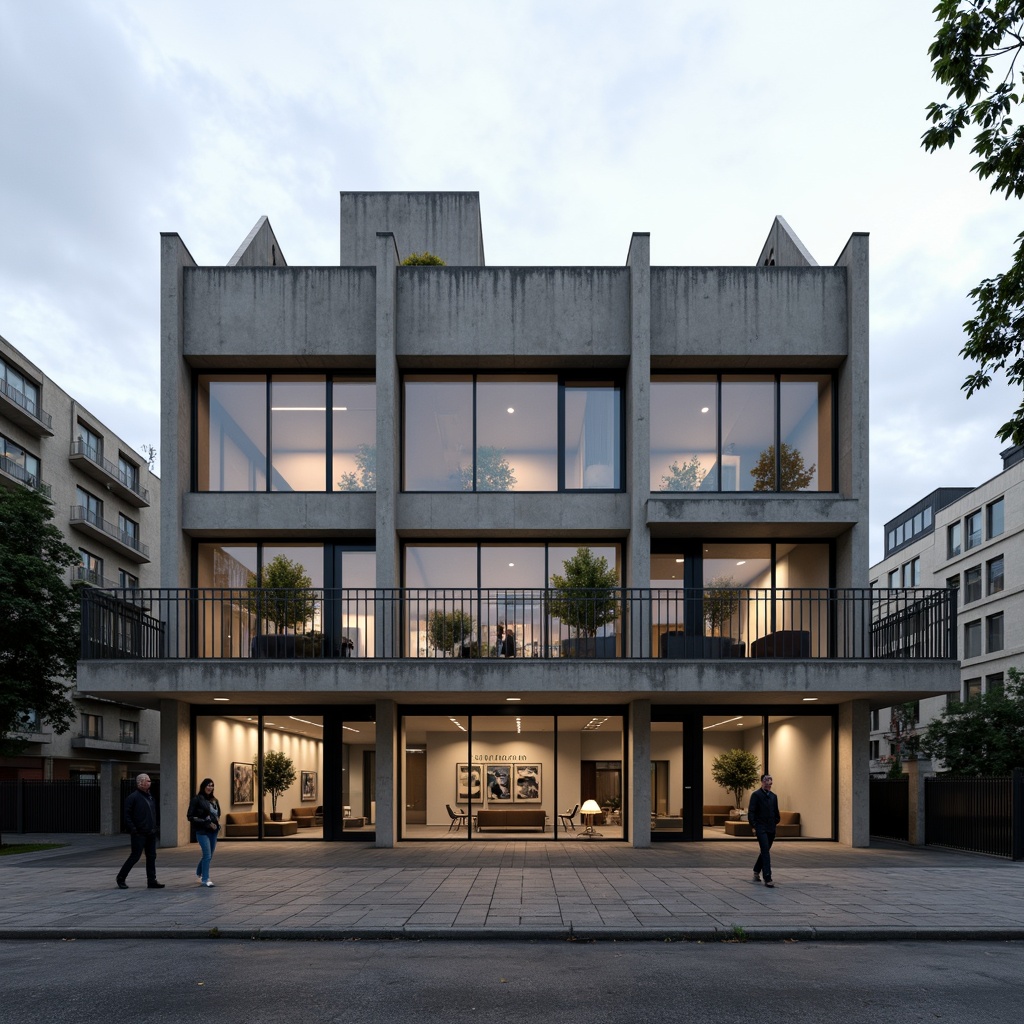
(175, 772)
(915, 802)
(640, 773)
(110, 798)
(637, 568)
(387, 773)
(854, 774)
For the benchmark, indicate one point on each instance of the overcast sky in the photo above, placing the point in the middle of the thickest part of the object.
(578, 123)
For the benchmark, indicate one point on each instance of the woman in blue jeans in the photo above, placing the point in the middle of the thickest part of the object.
(204, 814)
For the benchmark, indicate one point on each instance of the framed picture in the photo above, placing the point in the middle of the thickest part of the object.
(526, 783)
(242, 782)
(499, 782)
(469, 783)
(308, 782)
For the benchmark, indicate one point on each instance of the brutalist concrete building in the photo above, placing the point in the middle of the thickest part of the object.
(487, 552)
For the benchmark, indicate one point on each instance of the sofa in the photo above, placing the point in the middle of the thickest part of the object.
(783, 643)
(716, 814)
(509, 819)
(243, 824)
(304, 816)
(787, 828)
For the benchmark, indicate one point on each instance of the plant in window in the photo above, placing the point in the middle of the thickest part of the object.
(278, 775)
(365, 476)
(795, 475)
(451, 633)
(585, 597)
(720, 603)
(737, 771)
(493, 473)
(283, 597)
(687, 477)
(422, 259)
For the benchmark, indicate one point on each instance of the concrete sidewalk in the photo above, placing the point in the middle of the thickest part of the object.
(526, 890)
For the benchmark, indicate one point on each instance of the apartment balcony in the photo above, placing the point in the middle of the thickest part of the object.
(90, 462)
(99, 529)
(97, 744)
(91, 578)
(18, 408)
(13, 475)
(620, 624)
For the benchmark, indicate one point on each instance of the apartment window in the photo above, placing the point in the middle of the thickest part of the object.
(953, 540)
(994, 683)
(17, 462)
(873, 749)
(90, 507)
(511, 433)
(892, 539)
(994, 516)
(718, 433)
(994, 633)
(972, 639)
(129, 731)
(874, 721)
(90, 443)
(92, 726)
(972, 688)
(972, 584)
(901, 533)
(128, 473)
(129, 530)
(92, 568)
(972, 530)
(953, 583)
(912, 573)
(126, 581)
(927, 517)
(20, 390)
(894, 578)
(994, 571)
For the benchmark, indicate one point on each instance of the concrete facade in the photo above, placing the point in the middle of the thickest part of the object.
(633, 325)
(117, 739)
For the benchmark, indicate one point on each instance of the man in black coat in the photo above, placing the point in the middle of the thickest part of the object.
(763, 816)
(140, 817)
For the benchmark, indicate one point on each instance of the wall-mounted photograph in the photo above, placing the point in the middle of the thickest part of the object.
(308, 783)
(242, 779)
(499, 782)
(527, 783)
(469, 783)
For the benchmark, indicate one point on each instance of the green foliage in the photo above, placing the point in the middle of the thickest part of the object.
(493, 473)
(795, 477)
(282, 596)
(903, 739)
(981, 736)
(448, 630)
(687, 477)
(974, 55)
(39, 616)
(737, 771)
(720, 603)
(422, 259)
(277, 776)
(365, 476)
(585, 596)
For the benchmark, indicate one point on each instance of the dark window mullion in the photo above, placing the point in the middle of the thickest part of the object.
(561, 435)
(269, 457)
(778, 437)
(329, 448)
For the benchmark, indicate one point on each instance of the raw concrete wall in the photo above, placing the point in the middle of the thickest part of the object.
(259, 249)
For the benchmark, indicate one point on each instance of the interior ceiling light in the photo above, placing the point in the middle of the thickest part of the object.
(510, 410)
(222, 698)
(349, 728)
(305, 721)
(511, 565)
(738, 718)
(679, 561)
(519, 725)
(810, 698)
(511, 698)
(705, 409)
(457, 724)
(743, 562)
(595, 723)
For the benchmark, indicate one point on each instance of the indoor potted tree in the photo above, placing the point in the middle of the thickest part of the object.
(283, 597)
(720, 603)
(451, 633)
(737, 771)
(278, 775)
(585, 600)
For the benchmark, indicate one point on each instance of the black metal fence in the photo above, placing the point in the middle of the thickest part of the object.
(890, 809)
(633, 623)
(981, 815)
(59, 805)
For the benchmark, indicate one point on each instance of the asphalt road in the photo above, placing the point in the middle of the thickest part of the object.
(80, 982)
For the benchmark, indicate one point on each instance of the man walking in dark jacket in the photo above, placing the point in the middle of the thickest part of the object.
(763, 816)
(140, 817)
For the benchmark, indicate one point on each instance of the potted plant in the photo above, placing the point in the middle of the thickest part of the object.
(283, 597)
(720, 604)
(278, 774)
(451, 633)
(584, 600)
(737, 771)
(687, 477)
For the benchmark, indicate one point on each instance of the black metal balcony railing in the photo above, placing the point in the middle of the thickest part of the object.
(81, 514)
(624, 623)
(19, 472)
(130, 481)
(22, 400)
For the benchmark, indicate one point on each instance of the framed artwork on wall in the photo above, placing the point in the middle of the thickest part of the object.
(308, 782)
(526, 783)
(499, 782)
(242, 782)
(469, 783)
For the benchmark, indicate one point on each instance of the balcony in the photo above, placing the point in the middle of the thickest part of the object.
(97, 743)
(99, 529)
(14, 475)
(622, 624)
(83, 574)
(20, 409)
(90, 462)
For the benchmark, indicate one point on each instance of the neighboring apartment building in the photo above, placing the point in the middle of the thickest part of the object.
(106, 503)
(970, 539)
(430, 446)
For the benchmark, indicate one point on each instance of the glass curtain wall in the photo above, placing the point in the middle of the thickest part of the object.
(730, 740)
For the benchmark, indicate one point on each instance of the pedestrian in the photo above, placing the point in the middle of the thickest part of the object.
(763, 816)
(204, 814)
(140, 817)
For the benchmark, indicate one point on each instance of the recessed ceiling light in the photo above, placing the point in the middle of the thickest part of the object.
(222, 698)
(679, 561)
(510, 410)
(742, 562)
(810, 698)
(513, 698)
(705, 409)
(511, 565)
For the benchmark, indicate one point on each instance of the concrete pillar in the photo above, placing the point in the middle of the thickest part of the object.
(388, 749)
(175, 772)
(640, 773)
(854, 775)
(111, 773)
(915, 802)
